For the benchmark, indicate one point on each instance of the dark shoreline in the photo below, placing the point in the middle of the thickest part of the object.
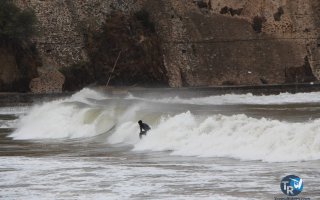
(16, 99)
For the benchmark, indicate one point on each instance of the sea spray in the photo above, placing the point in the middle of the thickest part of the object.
(183, 133)
(240, 99)
(236, 136)
(57, 120)
(66, 118)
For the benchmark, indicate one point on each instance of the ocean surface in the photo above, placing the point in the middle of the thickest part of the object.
(226, 147)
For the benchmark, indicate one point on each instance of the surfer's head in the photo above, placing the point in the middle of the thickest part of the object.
(139, 122)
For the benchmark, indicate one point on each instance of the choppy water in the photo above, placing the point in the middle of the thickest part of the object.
(219, 147)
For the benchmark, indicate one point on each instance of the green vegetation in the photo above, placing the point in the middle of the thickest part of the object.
(257, 23)
(16, 25)
(231, 11)
(144, 17)
(202, 4)
(140, 62)
(77, 76)
(16, 29)
(278, 14)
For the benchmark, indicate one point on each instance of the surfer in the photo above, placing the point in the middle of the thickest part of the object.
(144, 128)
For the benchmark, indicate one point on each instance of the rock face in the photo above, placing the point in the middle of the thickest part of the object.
(204, 42)
(48, 82)
(17, 69)
(222, 42)
(63, 25)
(9, 71)
(130, 46)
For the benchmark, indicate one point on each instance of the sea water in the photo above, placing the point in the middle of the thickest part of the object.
(230, 146)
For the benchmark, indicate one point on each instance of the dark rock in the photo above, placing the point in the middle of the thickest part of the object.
(301, 74)
(278, 14)
(257, 23)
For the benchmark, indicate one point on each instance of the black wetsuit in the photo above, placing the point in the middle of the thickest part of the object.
(144, 128)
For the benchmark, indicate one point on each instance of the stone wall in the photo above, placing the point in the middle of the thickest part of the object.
(63, 25)
(204, 42)
(223, 42)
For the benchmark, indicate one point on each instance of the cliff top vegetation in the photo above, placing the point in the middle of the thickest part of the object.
(16, 25)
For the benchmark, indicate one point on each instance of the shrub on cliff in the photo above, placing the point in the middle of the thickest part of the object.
(77, 76)
(16, 28)
(144, 17)
(16, 25)
(140, 62)
(257, 23)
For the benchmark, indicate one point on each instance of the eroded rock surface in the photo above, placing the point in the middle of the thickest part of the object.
(49, 81)
(203, 42)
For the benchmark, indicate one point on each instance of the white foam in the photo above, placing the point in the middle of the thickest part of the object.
(18, 110)
(235, 136)
(63, 119)
(70, 178)
(283, 98)
(8, 123)
(85, 94)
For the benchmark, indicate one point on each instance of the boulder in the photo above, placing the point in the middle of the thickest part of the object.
(50, 81)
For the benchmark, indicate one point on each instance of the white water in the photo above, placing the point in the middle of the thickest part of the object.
(229, 99)
(111, 178)
(12, 111)
(68, 118)
(168, 163)
(182, 133)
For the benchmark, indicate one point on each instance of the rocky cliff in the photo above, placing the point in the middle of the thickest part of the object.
(203, 42)
(252, 42)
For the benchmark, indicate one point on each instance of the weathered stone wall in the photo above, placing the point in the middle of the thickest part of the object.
(48, 82)
(204, 42)
(220, 42)
(63, 25)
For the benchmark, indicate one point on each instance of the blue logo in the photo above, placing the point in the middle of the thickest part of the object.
(291, 185)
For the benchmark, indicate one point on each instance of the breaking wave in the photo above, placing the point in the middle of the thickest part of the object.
(67, 118)
(235, 136)
(229, 99)
(183, 133)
